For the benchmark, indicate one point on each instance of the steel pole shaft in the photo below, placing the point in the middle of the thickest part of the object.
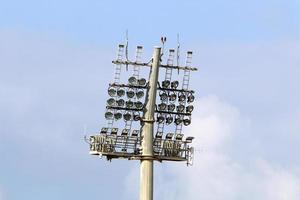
(146, 170)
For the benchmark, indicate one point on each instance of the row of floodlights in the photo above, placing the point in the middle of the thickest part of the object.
(125, 132)
(136, 133)
(171, 107)
(172, 96)
(128, 104)
(139, 82)
(170, 136)
(127, 116)
(168, 119)
(168, 84)
(120, 92)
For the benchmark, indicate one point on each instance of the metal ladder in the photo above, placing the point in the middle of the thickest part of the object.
(185, 85)
(117, 76)
(136, 74)
(168, 76)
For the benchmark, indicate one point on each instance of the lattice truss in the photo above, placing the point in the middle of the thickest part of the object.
(125, 105)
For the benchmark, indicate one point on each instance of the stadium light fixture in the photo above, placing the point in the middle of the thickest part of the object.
(127, 116)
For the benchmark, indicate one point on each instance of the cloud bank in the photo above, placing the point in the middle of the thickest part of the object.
(217, 174)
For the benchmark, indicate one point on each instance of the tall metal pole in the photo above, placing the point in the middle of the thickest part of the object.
(146, 171)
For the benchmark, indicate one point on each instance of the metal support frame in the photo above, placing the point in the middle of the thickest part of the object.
(140, 144)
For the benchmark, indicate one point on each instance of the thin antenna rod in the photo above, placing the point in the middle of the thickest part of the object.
(178, 51)
(126, 47)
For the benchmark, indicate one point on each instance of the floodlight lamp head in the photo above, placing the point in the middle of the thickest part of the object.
(178, 120)
(114, 131)
(120, 102)
(135, 133)
(125, 132)
(174, 84)
(104, 130)
(158, 135)
(109, 115)
(142, 82)
(172, 96)
(127, 116)
(112, 91)
(171, 107)
(163, 96)
(118, 115)
(130, 93)
(190, 98)
(189, 109)
(180, 108)
(169, 136)
(160, 119)
(187, 121)
(120, 92)
(162, 106)
(169, 119)
(165, 84)
(179, 136)
(111, 102)
(129, 104)
(139, 94)
(138, 105)
(181, 97)
(189, 139)
(132, 80)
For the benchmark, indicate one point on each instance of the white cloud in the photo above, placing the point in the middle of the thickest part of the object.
(216, 174)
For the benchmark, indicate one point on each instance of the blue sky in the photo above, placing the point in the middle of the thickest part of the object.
(55, 64)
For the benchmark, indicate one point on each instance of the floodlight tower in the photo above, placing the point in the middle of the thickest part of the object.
(142, 144)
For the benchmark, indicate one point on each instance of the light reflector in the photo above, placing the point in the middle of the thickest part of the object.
(169, 119)
(112, 92)
(118, 115)
(142, 82)
(104, 130)
(130, 93)
(189, 139)
(159, 135)
(178, 120)
(129, 104)
(125, 132)
(163, 96)
(171, 107)
(180, 108)
(172, 96)
(181, 97)
(169, 136)
(138, 105)
(114, 131)
(140, 94)
(109, 115)
(179, 136)
(187, 121)
(162, 106)
(189, 109)
(160, 119)
(165, 83)
(121, 92)
(135, 133)
(191, 98)
(174, 84)
(127, 116)
(120, 102)
(132, 80)
(111, 101)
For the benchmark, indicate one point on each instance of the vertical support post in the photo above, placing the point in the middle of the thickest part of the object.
(146, 169)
